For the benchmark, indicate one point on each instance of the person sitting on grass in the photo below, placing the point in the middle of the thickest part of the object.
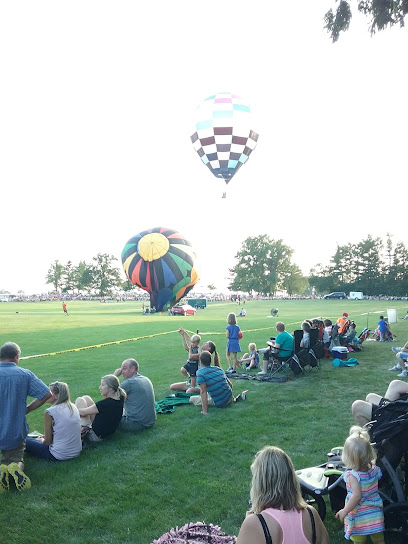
(251, 359)
(233, 347)
(402, 356)
(101, 419)
(16, 384)
(62, 428)
(215, 387)
(191, 344)
(278, 512)
(139, 409)
(281, 348)
(184, 386)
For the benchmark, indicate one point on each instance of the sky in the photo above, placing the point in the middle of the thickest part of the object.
(97, 105)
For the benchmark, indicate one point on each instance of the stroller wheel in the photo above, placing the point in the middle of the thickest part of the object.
(396, 523)
(314, 500)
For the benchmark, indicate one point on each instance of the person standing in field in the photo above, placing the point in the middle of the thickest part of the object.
(64, 307)
(233, 347)
(16, 384)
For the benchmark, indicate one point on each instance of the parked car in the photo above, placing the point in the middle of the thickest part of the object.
(337, 294)
(184, 309)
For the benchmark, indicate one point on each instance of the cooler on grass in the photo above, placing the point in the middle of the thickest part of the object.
(340, 352)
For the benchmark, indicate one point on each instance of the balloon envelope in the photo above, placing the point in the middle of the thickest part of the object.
(160, 261)
(223, 137)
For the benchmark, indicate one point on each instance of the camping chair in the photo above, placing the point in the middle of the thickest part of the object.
(306, 356)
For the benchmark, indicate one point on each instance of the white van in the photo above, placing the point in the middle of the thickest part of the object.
(356, 295)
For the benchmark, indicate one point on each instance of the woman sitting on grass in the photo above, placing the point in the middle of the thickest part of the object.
(62, 428)
(184, 386)
(278, 509)
(101, 419)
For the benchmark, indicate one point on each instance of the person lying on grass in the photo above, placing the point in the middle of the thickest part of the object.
(215, 387)
(62, 428)
(101, 419)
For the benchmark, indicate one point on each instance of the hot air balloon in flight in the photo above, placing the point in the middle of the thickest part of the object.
(223, 136)
(160, 261)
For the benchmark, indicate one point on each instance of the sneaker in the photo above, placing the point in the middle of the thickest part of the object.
(396, 367)
(21, 480)
(404, 374)
(396, 350)
(229, 369)
(237, 398)
(262, 373)
(4, 479)
(232, 371)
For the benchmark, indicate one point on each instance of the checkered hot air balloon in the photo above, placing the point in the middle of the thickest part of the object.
(160, 261)
(223, 138)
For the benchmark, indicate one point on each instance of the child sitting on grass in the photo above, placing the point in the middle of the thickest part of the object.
(251, 359)
(189, 370)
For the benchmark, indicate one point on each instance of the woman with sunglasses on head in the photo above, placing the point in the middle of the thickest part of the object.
(62, 428)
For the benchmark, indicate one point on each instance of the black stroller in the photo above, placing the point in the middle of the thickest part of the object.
(389, 436)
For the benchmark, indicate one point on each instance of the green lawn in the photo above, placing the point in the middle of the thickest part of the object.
(133, 488)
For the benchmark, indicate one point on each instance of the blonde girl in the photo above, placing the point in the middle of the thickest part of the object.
(251, 359)
(233, 347)
(101, 419)
(62, 428)
(362, 514)
(278, 509)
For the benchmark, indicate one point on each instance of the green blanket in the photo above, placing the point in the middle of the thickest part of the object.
(169, 403)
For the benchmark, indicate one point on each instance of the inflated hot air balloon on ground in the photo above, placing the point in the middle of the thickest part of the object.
(224, 138)
(160, 261)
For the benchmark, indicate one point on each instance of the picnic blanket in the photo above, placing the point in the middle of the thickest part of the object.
(258, 378)
(169, 403)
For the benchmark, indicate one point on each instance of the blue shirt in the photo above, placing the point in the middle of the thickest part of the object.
(217, 385)
(16, 384)
(382, 325)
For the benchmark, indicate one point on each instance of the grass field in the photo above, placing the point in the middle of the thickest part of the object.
(188, 467)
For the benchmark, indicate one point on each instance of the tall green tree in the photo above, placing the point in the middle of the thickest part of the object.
(382, 13)
(294, 281)
(84, 276)
(320, 279)
(69, 277)
(369, 266)
(261, 265)
(105, 275)
(55, 275)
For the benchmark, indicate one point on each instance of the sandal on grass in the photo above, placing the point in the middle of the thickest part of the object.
(21, 480)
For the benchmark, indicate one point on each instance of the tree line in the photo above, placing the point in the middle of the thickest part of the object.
(101, 276)
(373, 266)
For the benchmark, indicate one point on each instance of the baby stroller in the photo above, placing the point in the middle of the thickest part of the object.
(389, 433)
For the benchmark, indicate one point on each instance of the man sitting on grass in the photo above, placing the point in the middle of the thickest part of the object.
(215, 387)
(139, 408)
(16, 384)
